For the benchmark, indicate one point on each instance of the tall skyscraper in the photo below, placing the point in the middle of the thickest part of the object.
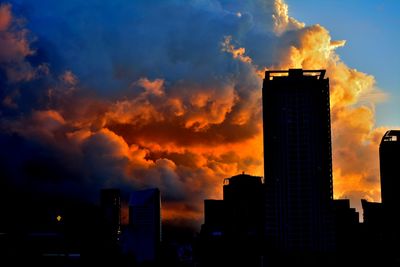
(389, 154)
(298, 160)
(145, 224)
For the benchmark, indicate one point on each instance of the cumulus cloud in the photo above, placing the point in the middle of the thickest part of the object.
(14, 47)
(131, 95)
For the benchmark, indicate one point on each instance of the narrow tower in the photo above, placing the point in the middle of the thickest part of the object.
(389, 151)
(298, 160)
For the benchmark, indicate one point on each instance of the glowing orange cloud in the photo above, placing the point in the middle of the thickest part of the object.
(238, 53)
(353, 95)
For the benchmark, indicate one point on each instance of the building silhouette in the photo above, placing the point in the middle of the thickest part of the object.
(214, 217)
(389, 151)
(372, 242)
(372, 214)
(243, 203)
(373, 221)
(142, 237)
(298, 161)
(347, 227)
(110, 205)
(232, 232)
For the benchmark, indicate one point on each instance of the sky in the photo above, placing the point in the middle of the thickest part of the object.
(139, 94)
(371, 31)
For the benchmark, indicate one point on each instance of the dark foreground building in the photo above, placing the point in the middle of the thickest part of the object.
(347, 227)
(298, 162)
(389, 155)
(110, 205)
(232, 231)
(373, 222)
(58, 231)
(142, 237)
(243, 199)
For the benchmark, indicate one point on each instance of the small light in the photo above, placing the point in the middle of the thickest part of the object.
(59, 218)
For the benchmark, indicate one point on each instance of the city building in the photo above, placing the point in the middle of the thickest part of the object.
(214, 217)
(243, 199)
(110, 205)
(389, 151)
(143, 234)
(298, 161)
(372, 234)
(372, 214)
(346, 225)
(232, 232)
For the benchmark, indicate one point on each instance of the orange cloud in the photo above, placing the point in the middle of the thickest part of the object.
(237, 53)
(282, 21)
(353, 96)
(69, 78)
(155, 87)
(5, 16)
(14, 47)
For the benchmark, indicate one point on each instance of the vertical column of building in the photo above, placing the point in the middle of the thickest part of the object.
(297, 160)
(110, 202)
(145, 224)
(389, 151)
(232, 231)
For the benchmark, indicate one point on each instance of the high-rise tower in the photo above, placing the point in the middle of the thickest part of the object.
(389, 151)
(298, 160)
(145, 224)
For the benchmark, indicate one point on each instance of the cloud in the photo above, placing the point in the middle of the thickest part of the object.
(131, 95)
(355, 143)
(69, 78)
(14, 47)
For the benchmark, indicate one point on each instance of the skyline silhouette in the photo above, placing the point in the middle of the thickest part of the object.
(240, 229)
(292, 218)
(100, 100)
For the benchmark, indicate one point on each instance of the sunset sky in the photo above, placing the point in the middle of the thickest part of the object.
(138, 94)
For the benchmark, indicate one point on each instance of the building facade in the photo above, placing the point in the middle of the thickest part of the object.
(389, 151)
(243, 198)
(143, 235)
(110, 204)
(298, 161)
(232, 231)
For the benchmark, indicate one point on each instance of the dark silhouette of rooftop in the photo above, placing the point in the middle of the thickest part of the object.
(232, 229)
